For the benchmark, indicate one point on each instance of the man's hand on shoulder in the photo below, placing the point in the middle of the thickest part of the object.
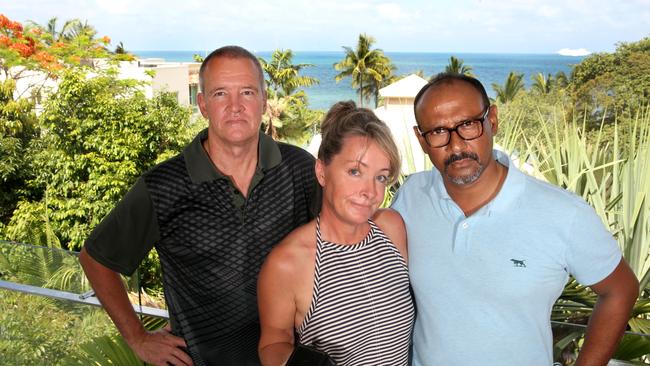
(161, 348)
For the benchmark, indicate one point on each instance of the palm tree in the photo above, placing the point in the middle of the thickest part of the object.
(561, 80)
(79, 29)
(385, 68)
(456, 66)
(514, 84)
(119, 49)
(283, 82)
(362, 65)
(542, 84)
(284, 76)
(55, 34)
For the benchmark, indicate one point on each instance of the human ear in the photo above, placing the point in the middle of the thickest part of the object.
(421, 140)
(200, 100)
(493, 117)
(320, 172)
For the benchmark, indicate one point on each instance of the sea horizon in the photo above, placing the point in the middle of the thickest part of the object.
(489, 68)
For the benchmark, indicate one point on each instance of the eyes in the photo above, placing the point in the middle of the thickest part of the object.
(356, 172)
(465, 125)
(219, 93)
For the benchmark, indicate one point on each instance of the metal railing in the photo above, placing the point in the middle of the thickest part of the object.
(56, 275)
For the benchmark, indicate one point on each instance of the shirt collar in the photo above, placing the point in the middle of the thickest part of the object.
(507, 196)
(512, 187)
(201, 169)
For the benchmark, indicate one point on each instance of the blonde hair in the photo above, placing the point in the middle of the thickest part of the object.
(346, 119)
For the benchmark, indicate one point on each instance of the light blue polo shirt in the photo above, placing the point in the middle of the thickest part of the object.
(485, 285)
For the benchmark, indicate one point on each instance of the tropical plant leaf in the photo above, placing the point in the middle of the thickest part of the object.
(104, 351)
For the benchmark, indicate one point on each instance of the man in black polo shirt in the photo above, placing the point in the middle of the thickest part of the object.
(213, 213)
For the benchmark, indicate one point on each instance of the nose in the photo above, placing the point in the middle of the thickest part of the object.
(456, 143)
(369, 188)
(236, 105)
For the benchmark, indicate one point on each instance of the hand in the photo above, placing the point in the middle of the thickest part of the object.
(161, 348)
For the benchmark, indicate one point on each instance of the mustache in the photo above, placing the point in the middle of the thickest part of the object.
(464, 155)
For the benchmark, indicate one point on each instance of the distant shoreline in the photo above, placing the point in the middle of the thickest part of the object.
(488, 67)
(204, 52)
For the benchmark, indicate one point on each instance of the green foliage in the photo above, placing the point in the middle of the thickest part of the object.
(611, 85)
(514, 84)
(104, 351)
(57, 329)
(368, 68)
(457, 66)
(18, 126)
(283, 75)
(40, 331)
(287, 117)
(110, 349)
(99, 135)
(542, 84)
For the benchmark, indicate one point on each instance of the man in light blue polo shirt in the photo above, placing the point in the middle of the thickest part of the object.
(491, 248)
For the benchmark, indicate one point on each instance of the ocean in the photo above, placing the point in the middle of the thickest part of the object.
(488, 67)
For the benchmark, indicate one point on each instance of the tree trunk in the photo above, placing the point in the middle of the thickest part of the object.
(361, 92)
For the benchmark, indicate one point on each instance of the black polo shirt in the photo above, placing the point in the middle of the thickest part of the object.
(211, 240)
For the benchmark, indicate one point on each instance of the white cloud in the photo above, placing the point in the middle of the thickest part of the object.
(392, 12)
(407, 25)
(115, 7)
(574, 52)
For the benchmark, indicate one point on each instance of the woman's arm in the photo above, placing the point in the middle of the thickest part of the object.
(277, 306)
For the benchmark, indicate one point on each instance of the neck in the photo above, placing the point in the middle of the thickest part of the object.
(335, 230)
(472, 197)
(235, 161)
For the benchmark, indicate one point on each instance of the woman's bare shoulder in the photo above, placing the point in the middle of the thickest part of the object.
(391, 223)
(388, 218)
(288, 256)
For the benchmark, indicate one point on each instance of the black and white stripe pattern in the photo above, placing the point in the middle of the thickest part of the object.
(361, 311)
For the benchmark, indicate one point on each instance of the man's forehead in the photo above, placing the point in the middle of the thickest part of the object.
(222, 64)
(449, 93)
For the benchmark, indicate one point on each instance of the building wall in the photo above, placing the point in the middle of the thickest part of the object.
(398, 115)
(175, 79)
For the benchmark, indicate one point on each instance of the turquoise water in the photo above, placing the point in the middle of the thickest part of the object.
(488, 67)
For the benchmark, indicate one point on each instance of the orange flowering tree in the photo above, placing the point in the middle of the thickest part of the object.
(20, 50)
(35, 48)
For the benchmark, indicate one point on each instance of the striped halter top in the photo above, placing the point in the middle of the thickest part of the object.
(361, 310)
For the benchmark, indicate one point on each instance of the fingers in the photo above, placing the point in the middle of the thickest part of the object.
(176, 341)
(180, 358)
(162, 348)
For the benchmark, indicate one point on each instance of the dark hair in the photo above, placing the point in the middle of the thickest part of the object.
(446, 78)
(231, 52)
(346, 119)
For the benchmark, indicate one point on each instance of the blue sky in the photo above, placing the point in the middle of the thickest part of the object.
(509, 26)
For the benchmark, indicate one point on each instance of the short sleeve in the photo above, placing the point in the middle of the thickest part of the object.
(125, 236)
(593, 253)
(397, 203)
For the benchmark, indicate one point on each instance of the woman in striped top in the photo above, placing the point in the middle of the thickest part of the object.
(340, 283)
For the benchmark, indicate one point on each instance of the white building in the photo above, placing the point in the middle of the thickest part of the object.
(398, 114)
(180, 78)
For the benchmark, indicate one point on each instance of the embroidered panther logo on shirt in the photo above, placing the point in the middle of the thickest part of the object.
(518, 262)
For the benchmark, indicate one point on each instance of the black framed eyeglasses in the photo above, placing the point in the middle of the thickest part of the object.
(467, 130)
